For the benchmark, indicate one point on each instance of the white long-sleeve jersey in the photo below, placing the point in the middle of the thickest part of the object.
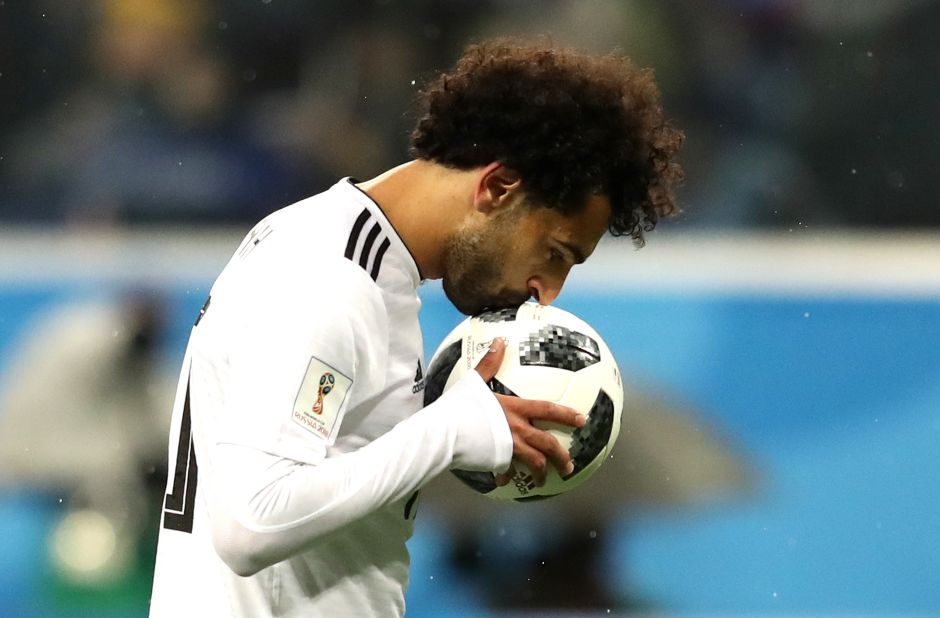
(298, 442)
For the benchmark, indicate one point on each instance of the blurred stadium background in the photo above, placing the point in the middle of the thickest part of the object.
(781, 337)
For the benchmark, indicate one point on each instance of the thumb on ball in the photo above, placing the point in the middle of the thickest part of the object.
(489, 364)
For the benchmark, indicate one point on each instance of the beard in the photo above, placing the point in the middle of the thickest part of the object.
(473, 263)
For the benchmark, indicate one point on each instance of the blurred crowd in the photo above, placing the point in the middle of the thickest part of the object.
(798, 113)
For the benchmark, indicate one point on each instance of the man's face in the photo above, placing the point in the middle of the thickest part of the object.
(519, 252)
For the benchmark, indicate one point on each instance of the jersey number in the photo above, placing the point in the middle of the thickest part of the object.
(410, 511)
(179, 505)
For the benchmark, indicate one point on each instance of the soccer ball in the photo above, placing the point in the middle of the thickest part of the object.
(551, 355)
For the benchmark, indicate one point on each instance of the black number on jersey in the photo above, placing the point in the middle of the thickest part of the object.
(410, 511)
(180, 503)
(202, 312)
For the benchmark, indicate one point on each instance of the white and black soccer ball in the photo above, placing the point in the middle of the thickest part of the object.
(551, 355)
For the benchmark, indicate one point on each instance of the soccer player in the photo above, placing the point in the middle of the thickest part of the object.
(299, 443)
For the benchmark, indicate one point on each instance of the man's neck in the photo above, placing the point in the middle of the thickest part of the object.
(425, 202)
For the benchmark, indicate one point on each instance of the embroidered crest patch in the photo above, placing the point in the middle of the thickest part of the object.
(319, 402)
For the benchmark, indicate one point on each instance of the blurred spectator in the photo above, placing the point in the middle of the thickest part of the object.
(155, 136)
(83, 416)
(348, 112)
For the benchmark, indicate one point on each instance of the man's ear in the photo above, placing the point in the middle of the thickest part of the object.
(497, 187)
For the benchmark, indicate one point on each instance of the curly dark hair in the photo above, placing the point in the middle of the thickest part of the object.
(570, 124)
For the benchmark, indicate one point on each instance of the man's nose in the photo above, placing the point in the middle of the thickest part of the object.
(543, 291)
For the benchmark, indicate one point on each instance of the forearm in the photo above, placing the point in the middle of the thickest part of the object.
(267, 508)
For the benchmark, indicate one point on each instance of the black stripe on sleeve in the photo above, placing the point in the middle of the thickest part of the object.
(377, 264)
(354, 234)
(367, 246)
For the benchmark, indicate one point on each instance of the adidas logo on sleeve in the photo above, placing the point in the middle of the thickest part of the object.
(419, 380)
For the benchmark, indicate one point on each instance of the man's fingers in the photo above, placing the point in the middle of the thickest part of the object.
(557, 413)
(547, 411)
(559, 457)
(537, 448)
(489, 364)
(533, 445)
(534, 460)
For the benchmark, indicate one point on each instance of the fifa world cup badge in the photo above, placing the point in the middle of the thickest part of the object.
(326, 387)
(320, 401)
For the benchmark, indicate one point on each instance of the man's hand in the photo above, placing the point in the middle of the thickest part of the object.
(532, 446)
